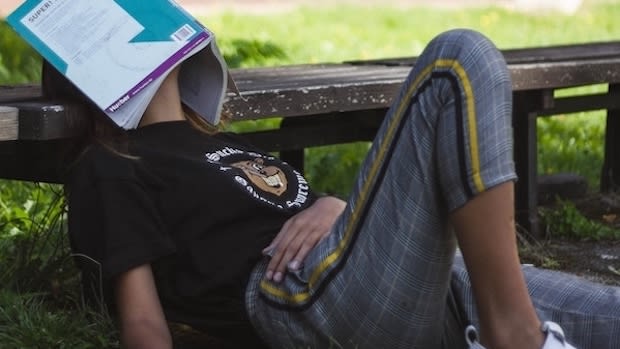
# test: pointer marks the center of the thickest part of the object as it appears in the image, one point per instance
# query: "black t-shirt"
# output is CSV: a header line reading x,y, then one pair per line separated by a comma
x,y
199,208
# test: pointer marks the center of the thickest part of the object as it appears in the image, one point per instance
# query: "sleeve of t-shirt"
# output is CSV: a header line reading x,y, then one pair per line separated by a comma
x,y
114,220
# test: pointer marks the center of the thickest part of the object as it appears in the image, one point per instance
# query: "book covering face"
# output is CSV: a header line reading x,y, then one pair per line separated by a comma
x,y
118,52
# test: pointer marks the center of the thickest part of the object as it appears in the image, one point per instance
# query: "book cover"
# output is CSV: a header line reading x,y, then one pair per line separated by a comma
x,y
117,52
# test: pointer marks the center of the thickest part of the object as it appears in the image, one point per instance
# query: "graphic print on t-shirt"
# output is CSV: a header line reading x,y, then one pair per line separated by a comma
x,y
264,177
268,178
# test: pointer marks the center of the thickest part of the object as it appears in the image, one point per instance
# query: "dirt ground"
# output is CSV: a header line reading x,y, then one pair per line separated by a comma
x,y
595,260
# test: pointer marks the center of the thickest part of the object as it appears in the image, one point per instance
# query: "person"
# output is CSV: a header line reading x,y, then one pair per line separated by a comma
x,y
174,222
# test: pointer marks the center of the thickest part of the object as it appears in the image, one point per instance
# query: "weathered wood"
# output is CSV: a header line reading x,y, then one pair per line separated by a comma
x,y
9,123
36,161
555,53
576,104
610,173
326,88
525,110
11,93
564,74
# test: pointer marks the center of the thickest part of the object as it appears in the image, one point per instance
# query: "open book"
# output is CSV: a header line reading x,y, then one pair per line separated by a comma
x,y
118,52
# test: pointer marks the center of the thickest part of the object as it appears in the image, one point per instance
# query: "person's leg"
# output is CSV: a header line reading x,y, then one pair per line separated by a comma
x,y
485,229
588,312
381,278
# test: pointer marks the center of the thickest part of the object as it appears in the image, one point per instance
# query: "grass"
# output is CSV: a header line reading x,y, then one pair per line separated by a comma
x,y
341,33
567,221
30,321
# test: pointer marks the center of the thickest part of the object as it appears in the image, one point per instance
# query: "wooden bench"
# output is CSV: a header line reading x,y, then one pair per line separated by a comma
x,y
338,103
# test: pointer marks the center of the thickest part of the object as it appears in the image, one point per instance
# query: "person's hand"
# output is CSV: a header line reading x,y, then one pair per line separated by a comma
x,y
300,234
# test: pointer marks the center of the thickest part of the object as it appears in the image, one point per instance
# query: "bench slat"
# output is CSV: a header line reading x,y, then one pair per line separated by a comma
x,y
309,90
556,53
9,123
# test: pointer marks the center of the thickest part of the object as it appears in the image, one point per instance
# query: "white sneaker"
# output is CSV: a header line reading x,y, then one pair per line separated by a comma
x,y
554,339
471,336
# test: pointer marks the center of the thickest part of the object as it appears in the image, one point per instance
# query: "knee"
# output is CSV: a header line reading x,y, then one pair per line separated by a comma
x,y
463,39
474,52
465,45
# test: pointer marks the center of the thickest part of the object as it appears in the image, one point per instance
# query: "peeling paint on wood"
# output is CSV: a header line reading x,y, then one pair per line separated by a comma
x,y
9,126
309,90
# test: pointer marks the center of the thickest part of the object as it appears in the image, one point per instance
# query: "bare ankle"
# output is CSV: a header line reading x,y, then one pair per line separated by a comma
x,y
530,337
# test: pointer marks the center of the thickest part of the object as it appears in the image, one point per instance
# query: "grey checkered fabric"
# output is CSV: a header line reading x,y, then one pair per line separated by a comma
x,y
382,278
589,313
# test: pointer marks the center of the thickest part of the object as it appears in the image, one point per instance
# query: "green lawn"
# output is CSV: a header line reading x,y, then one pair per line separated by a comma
x,y
346,32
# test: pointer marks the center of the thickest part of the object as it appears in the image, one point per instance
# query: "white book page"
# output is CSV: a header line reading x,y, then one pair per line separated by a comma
x,y
129,115
93,38
81,33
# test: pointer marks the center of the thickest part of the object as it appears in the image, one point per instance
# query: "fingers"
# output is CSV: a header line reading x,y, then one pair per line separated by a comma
x,y
278,249
291,247
299,235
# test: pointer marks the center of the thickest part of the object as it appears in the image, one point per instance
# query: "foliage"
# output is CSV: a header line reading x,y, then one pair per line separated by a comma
x,y
19,63
33,247
27,321
243,53
566,220
333,169
40,296
573,142
349,32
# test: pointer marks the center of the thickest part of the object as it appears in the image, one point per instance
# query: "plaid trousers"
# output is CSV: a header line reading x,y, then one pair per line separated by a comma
x,y
385,275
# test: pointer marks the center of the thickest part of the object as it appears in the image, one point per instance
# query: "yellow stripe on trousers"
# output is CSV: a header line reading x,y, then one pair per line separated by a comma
x,y
272,289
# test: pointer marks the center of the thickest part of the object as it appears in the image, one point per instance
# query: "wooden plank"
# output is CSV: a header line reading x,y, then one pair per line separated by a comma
x,y
17,93
576,104
610,173
36,161
9,125
564,74
323,89
554,53
327,88
13,93
527,76
525,107
557,53
46,121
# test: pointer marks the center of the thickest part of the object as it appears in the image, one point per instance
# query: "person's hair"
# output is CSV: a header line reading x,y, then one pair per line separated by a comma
x,y
88,124
201,124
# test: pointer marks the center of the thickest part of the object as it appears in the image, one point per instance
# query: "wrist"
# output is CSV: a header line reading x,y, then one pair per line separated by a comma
x,y
333,195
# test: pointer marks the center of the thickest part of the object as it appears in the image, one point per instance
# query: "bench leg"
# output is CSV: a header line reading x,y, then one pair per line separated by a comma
x,y
525,107
610,174
294,157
